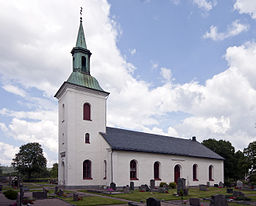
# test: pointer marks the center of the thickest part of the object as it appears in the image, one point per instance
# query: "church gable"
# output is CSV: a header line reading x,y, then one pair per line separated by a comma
x,y
126,140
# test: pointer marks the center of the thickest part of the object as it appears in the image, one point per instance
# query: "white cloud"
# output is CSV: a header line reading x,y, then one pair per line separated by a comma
x,y
233,30
166,73
133,51
7,152
204,4
176,2
15,90
246,7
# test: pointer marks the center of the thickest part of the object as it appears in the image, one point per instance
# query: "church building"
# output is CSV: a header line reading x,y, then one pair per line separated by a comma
x,y
92,154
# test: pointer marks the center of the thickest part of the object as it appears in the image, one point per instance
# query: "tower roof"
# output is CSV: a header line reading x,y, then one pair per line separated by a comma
x,y
80,42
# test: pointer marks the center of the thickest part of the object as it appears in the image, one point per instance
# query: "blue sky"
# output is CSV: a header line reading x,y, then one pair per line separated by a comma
x,y
175,67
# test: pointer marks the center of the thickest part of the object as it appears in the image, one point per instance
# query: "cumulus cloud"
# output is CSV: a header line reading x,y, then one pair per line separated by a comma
x,y
246,7
234,29
166,73
204,4
7,153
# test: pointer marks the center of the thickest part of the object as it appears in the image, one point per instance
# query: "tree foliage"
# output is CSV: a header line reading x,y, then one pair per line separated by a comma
x,y
30,160
54,170
250,153
1,170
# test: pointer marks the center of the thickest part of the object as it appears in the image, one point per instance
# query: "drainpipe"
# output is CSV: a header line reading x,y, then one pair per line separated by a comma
x,y
111,166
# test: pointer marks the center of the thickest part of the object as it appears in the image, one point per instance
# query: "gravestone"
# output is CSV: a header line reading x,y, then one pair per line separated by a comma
x,y
162,189
152,184
144,188
75,197
113,186
126,189
239,184
229,190
194,201
202,187
39,195
1,188
132,186
238,194
216,185
218,200
153,202
221,185
181,186
60,193
208,184
56,190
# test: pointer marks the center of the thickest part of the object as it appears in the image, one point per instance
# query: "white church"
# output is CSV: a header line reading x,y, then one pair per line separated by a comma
x,y
92,154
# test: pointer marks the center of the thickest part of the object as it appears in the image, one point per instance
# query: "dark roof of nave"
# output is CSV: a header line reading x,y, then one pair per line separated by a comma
x,y
127,140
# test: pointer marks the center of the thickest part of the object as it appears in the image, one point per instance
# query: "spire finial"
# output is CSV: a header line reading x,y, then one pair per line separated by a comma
x,y
81,13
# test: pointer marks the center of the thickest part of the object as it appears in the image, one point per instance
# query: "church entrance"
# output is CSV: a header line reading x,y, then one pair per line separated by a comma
x,y
63,173
176,173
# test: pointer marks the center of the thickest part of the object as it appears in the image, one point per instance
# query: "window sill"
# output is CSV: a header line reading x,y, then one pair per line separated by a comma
x,y
134,179
211,180
87,119
157,179
89,178
195,179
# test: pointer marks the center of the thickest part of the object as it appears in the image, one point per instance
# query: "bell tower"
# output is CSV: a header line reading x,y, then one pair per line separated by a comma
x,y
82,116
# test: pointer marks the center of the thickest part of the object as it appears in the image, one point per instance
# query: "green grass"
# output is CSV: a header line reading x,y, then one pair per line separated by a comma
x,y
93,200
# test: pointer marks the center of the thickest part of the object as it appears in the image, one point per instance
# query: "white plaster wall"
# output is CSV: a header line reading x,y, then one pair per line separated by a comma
x,y
74,129
145,169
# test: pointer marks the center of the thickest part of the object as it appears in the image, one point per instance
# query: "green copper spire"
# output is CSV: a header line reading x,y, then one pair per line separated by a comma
x,y
81,63
80,42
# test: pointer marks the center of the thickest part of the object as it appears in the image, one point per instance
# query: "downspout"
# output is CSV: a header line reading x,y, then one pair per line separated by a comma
x,y
111,166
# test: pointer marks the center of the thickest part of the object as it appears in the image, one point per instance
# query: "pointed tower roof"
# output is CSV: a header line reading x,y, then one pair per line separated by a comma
x,y
80,42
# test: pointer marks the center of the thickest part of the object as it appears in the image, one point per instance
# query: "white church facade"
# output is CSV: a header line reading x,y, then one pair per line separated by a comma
x,y
92,154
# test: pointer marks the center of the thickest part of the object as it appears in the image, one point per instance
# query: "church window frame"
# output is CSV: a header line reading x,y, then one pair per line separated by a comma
x,y
87,170
87,138
63,113
177,172
83,63
157,170
105,170
195,171
87,111
211,173
133,170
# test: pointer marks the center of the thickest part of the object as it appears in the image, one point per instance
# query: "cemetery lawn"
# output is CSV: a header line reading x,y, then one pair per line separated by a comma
x,y
92,200
193,192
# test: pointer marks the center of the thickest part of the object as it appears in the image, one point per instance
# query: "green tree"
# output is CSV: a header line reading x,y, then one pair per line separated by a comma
x,y
30,159
242,165
227,151
250,153
1,170
54,170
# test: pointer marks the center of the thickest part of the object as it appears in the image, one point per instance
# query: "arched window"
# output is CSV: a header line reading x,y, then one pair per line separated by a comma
x,y
176,173
195,172
105,169
133,170
87,138
63,113
87,111
83,60
87,166
156,171
210,173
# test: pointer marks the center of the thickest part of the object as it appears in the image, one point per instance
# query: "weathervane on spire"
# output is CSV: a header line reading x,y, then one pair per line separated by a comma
x,y
81,13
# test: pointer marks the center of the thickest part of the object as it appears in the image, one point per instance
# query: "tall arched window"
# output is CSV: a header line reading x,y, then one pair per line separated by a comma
x,y
87,138
195,172
133,170
83,64
105,169
156,171
87,111
176,173
87,167
63,113
210,173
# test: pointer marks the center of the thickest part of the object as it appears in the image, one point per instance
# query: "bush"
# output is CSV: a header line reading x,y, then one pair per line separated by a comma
x,y
172,185
162,184
11,194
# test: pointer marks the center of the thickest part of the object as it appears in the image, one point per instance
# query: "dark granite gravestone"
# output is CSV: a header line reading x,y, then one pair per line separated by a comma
x,y
133,204
75,197
39,195
153,202
132,186
56,190
181,186
60,192
113,186
202,187
208,184
152,184
216,185
194,201
144,188
218,200
229,190
1,188
162,189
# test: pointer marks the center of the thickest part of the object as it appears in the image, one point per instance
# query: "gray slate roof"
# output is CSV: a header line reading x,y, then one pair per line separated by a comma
x,y
126,140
